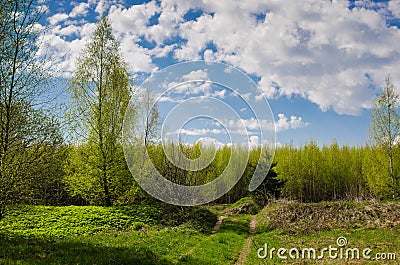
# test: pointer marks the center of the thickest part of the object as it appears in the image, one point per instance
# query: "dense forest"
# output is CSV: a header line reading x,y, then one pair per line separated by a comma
x,y
40,164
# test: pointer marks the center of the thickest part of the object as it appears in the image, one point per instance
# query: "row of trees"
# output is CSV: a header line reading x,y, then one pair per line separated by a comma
x,y
309,173
332,172
85,185
241,165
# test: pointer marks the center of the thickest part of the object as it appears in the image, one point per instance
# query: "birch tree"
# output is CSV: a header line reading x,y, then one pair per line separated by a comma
x,y
100,92
385,128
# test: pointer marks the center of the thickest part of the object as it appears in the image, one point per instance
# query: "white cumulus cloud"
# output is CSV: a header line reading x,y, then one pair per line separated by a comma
x,y
285,123
323,51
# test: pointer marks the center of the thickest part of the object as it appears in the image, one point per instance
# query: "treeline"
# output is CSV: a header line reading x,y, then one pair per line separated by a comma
x,y
334,172
309,173
84,184
238,163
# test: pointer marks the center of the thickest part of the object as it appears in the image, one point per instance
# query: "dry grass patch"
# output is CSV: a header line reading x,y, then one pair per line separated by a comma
x,y
295,217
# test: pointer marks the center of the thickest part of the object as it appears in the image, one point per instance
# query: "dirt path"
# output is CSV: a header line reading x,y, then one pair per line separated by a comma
x,y
215,230
246,249
218,224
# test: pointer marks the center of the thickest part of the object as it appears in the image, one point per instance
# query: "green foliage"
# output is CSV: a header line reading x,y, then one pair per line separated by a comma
x,y
179,152
202,219
240,166
31,159
377,173
315,174
59,222
269,189
242,201
241,189
82,177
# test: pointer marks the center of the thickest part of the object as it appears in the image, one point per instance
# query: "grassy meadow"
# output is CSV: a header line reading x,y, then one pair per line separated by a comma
x,y
171,235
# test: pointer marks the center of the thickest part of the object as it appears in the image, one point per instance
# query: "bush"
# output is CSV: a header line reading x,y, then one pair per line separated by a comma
x,y
246,205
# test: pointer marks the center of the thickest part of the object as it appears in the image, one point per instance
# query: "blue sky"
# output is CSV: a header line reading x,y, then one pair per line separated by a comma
x,y
319,63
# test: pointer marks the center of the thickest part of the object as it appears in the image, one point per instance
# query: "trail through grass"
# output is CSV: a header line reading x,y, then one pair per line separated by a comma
x,y
155,235
246,250
97,235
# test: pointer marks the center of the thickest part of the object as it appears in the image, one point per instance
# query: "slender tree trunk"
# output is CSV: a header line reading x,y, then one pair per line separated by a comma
x,y
107,196
2,210
391,171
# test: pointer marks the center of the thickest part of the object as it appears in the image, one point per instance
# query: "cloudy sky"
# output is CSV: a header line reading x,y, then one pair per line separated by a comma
x,y
319,63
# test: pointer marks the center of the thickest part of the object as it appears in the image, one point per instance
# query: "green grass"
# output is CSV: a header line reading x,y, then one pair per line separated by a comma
x,y
165,246
224,246
379,240
116,235
133,247
172,235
